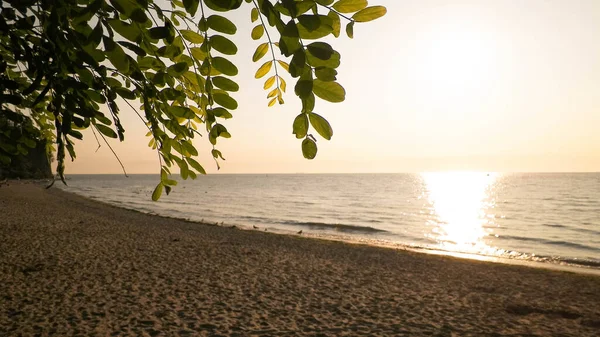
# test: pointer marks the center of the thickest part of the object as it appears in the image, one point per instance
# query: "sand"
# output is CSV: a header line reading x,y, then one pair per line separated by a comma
x,y
73,266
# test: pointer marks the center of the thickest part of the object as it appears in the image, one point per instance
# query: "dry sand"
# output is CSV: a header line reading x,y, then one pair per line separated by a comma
x,y
72,266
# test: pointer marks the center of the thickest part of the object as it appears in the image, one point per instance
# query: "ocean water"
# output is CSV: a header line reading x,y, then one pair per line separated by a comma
x,y
544,217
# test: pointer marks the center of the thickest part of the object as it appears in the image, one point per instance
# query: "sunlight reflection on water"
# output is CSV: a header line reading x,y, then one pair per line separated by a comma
x,y
462,206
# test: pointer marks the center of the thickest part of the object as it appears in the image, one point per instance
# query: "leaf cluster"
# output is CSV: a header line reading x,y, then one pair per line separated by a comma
x,y
70,65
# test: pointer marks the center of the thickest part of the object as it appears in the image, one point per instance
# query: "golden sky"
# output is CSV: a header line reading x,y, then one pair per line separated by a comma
x,y
432,86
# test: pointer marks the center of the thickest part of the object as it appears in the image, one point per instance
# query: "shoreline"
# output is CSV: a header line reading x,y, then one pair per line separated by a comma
x,y
544,262
71,263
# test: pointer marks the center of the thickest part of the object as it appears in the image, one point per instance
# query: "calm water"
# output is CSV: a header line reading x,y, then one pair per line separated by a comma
x,y
542,217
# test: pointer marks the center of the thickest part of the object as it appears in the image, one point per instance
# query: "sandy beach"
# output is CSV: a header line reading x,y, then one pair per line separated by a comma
x,y
72,266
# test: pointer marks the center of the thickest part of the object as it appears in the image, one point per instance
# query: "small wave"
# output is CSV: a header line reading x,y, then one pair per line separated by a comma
x,y
550,242
588,231
583,262
337,227
593,263
253,218
517,256
573,245
521,238
554,225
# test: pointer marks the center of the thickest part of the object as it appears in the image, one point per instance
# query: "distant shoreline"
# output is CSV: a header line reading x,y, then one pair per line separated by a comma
x,y
69,263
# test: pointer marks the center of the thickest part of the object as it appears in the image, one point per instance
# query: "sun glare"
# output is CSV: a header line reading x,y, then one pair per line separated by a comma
x,y
458,57
459,202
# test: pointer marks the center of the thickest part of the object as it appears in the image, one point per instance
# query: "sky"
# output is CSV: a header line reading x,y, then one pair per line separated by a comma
x,y
503,86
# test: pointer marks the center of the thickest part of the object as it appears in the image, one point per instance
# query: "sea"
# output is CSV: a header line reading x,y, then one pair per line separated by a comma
x,y
549,218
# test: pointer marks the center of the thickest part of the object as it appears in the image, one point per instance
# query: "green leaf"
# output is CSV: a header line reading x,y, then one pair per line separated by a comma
x,y
320,50
321,125
350,6
116,55
302,7
127,94
329,91
203,25
218,130
189,148
196,81
254,14
261,51
225,83
298,63
303,88
177,69
195,165
257,32
146,63
133,47
369,14
290,39
310,22
225,101
284,65
206,68
336,23
308,104
223,45
224,66
198,54
159,32
221,113
157,192
221,24
191,6
325,74
124,6
332,62
223,5
217,154
264,69
171,94
138,15
168,183
102,119
192,36
181,111
312,27
96,96
350,29
309,148
269,82
169,51
105,130
95,36
73,133
300,126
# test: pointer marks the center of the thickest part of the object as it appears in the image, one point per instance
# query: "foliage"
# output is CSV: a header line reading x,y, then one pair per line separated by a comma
x,y
69,65
23,150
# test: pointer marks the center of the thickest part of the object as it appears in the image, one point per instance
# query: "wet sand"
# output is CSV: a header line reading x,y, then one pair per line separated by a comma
x,y
73,266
